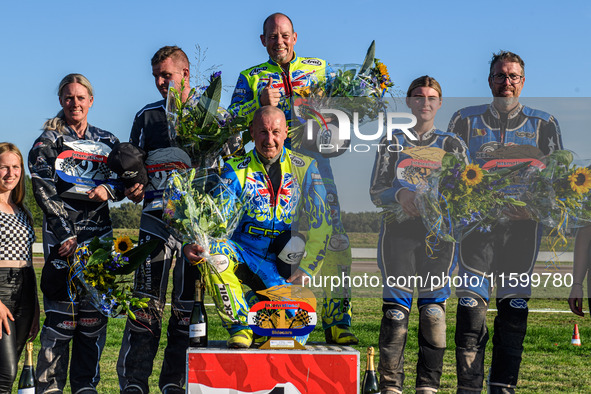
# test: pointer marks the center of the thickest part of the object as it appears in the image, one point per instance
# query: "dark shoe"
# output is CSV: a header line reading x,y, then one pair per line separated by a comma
x,y
172,389
132,390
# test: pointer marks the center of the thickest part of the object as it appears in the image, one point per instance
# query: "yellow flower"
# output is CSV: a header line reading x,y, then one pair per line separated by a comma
x,y
580,180
472,175
304,92
385,77
123,244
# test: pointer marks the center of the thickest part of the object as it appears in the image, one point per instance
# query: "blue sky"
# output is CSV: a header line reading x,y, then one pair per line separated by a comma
x,y
112,42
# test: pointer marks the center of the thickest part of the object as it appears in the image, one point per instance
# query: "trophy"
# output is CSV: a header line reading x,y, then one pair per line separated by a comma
x,y
290,313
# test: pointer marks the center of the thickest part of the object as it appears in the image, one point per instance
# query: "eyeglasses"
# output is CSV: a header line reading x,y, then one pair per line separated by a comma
x,y
513,78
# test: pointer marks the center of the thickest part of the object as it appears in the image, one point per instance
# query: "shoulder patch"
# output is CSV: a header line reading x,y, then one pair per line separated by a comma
x,y
536,113
297,161
256,70
311,62
244,164
473,111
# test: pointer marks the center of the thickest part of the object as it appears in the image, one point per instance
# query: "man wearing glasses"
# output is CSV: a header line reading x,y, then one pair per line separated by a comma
x,y
512,245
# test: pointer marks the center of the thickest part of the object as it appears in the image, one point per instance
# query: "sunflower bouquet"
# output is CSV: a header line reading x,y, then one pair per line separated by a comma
x,y
559,195
200,208
461,198
102,270
352,88
200,126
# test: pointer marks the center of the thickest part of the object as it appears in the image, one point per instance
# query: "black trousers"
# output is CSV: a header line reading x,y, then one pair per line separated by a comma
x,y
18,293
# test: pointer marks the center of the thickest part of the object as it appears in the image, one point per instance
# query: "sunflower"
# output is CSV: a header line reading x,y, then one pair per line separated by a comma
x,y
472,175
385,77
304,92
580,180
123,244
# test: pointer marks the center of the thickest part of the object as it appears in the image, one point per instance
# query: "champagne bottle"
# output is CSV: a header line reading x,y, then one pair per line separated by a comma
x,y
27,383
370,380
198,323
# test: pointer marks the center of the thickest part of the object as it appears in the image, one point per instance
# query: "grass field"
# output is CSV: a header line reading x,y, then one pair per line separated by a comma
x,y
550,363
358,240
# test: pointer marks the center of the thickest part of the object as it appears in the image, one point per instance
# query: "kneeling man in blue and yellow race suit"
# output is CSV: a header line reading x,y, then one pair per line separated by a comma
x,y
277,82
280,185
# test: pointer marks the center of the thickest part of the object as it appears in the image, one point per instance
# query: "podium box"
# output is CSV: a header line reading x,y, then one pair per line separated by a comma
x,y
325,369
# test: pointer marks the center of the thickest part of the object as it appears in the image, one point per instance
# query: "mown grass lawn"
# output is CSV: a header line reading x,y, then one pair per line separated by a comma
x,y
550,362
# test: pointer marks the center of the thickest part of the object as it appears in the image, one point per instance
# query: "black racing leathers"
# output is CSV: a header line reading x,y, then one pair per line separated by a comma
x,y
63,168
18,293
141,337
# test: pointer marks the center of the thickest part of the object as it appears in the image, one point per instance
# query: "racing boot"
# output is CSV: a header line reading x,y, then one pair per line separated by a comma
x,y
340,334
240,340
172,389
259,340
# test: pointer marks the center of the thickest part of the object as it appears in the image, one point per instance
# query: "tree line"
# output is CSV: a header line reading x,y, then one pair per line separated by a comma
x,y
127,215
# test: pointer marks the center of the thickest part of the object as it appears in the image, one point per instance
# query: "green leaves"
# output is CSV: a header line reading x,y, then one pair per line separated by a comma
x,y
98,256
201,126
106,276
563,157
369,56
448,161
210,101
136,256
200,206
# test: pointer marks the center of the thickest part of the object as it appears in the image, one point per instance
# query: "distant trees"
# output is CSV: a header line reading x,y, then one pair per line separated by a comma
x,y
31,204
361,222
126,215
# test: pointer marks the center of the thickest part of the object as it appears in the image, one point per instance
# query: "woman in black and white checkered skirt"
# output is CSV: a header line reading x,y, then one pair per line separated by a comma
x,y
19,306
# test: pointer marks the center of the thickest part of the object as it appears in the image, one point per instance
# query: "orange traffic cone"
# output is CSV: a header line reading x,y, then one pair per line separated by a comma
x,y
576,341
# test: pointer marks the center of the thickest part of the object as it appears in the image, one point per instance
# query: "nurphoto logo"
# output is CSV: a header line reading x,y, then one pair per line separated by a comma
x,y
336,136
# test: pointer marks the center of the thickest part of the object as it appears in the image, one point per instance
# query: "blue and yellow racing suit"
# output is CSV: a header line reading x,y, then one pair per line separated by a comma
x,y
246,256
510,248
303,72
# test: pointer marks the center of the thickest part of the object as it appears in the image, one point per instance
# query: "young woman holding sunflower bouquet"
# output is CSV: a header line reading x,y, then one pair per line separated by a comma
x,y
402,250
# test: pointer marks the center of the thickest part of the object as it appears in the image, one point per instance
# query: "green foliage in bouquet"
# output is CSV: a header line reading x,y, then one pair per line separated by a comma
x,y
104,270
463,197
350,88
202,128
200,207
369,80
570,183
559,197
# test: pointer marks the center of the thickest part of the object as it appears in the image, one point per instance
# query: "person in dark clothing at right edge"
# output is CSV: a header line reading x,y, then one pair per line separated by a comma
x,y
141,337
512,246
